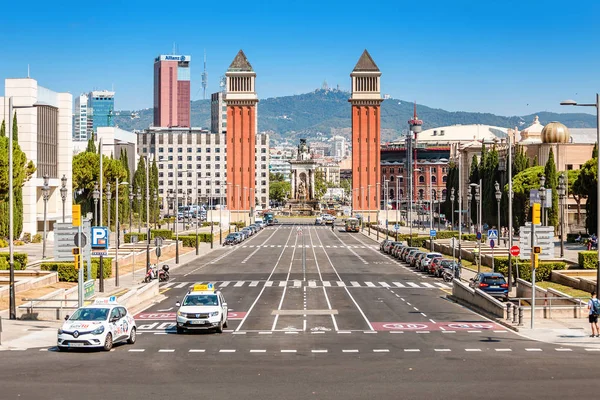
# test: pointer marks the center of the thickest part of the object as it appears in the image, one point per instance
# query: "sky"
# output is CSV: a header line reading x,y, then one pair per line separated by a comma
x,y
506,57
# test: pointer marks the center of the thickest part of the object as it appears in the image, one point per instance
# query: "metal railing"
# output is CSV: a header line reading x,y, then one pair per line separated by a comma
x,y
62,305
547,305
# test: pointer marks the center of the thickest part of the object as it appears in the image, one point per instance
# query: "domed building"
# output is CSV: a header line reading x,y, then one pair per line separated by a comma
x,y
533,133
555,132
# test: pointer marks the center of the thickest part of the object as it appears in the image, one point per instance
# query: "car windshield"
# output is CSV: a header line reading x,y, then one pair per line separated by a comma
x,y
494,280
201,300
90,314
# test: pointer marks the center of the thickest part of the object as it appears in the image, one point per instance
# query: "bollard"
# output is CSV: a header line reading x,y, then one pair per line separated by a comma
x,y
515,314
508,307
521,316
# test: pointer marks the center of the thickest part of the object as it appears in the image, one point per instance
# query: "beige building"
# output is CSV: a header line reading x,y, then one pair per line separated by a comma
x,y
331,172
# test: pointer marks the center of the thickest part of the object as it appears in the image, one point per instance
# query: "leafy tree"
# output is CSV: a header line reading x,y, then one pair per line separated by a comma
x,y
552,183
346,184
572,190
520,161
154,210
3,129
595,151
489,176
276,177
320,184
523,182
585,185
15,128
535,161
451,183
279,190
139,186
473,178
91,146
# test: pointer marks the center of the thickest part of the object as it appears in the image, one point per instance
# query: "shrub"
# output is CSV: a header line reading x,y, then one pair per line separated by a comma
x,y
3,243
205,223
190,240
27,237
20,260
37,238
164,233
239,224
68,273
588,259
19,243
543,271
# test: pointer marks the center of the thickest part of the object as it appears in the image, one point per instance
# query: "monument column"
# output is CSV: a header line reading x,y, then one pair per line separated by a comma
x,y
312,184
366,136
293,185
241,100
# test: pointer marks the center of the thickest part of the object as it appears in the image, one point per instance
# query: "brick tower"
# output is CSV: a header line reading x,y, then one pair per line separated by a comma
x,y
241,100
366,131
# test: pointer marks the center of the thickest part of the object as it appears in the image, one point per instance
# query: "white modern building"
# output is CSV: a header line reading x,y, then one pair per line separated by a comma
x,y
279,162
462,134
45,123
81,123
339,147
198,159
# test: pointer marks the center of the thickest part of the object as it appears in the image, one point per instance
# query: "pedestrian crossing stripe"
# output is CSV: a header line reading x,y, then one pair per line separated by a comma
x,y
312,284
299,246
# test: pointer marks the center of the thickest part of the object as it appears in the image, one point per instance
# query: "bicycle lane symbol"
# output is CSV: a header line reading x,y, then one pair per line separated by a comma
x,y
399,326
478,325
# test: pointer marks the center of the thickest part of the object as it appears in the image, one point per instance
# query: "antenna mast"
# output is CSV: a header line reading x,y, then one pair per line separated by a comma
x,y
204,77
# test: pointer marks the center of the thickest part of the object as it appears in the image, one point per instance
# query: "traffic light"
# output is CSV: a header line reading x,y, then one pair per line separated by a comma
x,y
75,251
76,255
536,213
535,260
537,249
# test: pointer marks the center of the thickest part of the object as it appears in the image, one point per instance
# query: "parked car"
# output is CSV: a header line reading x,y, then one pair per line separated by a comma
x,y
382,244
433,265
492,283
396,249
445,264
427,259
319,221
232,238
414,261
406,252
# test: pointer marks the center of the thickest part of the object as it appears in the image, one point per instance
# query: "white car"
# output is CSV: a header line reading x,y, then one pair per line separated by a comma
x,y
202,308
427,259
99,325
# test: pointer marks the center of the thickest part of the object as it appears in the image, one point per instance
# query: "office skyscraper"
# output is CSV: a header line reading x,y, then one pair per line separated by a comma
x,y
172,91
93,110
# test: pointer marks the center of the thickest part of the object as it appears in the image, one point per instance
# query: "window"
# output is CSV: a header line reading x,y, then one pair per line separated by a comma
x,y
207,183
391,170
421,180
160,166
217,158
218,150
170,175
198,158
170,149
170,166
189,183
207,158
207,166
433,170
179,166
208,149
189,166
199,149
144,150
433,179
384,171
217,166
445,178
198,166
189,149
161,150
569,167
391,177
170,158
189,158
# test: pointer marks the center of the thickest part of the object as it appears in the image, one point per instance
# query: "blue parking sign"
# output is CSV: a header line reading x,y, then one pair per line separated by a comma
x,y
99,237
432,233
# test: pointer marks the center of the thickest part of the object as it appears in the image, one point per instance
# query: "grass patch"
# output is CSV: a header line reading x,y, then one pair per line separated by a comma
x,y
565,289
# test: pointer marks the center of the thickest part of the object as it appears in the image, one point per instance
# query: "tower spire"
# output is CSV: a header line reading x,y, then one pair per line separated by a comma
x,y
204,77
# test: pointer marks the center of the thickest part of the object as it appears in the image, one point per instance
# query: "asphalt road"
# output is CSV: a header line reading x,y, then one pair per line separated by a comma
x,y
314,314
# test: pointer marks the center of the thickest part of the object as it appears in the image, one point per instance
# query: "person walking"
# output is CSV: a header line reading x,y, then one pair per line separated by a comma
x,y
594,311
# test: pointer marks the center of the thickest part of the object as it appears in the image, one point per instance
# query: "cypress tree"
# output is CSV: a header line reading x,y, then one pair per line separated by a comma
x,y
552,183
595,151
154,211
3,129
91,146
535,161
15,129
139,185
473,178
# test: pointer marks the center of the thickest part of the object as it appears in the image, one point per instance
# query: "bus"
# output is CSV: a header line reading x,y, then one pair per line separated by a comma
x,y
352,225
268,218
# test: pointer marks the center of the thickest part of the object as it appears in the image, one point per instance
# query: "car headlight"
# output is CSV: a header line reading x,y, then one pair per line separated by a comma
x,y
60,331
98,331
180,314
214,314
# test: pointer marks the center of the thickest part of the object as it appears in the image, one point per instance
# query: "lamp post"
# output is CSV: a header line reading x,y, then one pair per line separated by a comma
x,y
597,105
63,194
45,194
469,201
130,210
118,242
138,196
96,195
562,189
478,203
197,217
542,192
498,199
108,198
452,206
155,211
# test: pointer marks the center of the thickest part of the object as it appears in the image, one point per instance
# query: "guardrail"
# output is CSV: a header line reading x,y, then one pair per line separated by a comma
x,y
61,306
547,306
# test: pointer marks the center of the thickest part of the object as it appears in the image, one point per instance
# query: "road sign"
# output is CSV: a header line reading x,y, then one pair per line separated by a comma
x,y
158,252
99,237
515,251
492,243
544,238
535,213
76,215
432,233
492,233
80,239
64,241
478,236
396,227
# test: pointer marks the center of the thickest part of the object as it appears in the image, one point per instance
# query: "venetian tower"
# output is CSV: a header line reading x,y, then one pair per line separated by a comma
x,y
366,137
241,101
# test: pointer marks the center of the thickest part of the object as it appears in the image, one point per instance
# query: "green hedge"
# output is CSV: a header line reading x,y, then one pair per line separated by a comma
x,y
190,240
588,259
164,233
68,273
19,258
239,224
543,271
205,223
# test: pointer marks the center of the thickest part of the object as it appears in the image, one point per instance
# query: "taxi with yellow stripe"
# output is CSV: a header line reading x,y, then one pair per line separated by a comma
x,y
202,308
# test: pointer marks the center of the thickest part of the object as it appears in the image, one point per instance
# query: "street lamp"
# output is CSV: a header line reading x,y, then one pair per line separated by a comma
x,y
108,198
542,192
562,189
138,196
96,195
597,105
478,204
63,194
452,206
118,242
45,194
155,208
130,209
498,198
169,206
469,201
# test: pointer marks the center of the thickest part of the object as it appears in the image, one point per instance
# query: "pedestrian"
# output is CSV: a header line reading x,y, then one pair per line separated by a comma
x,y
594,310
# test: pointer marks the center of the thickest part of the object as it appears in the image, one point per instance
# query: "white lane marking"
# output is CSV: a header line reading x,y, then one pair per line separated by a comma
x,y
253,283
287,351
370,284
181,285
326,284
227,351
341,284
412,284
312,284
534,349
503,349
265,333
258,351
381,350
427,285
350,351
563,349
318,351
398,284
384,284
160,333
269,283
344,332
407,303
268,280
239,284
592,349
396,331
166,350
442,350
432,321
472,349
355,284
317,332
197,350
423,332
291,333
297,284
423,314
444,331
168,284
239,333
224,284
43,349
415,308
137,350
284,284
500,331
412,350
473,331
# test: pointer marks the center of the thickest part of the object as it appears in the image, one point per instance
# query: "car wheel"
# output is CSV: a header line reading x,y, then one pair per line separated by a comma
x,y
219,328
225,325
180,330
60,348
132,336
108,343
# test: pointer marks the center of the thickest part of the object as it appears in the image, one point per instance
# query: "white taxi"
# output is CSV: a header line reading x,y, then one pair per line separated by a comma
x,y
98,325
203,307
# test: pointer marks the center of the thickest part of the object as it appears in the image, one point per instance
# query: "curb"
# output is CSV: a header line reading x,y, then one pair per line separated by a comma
x,y
482,313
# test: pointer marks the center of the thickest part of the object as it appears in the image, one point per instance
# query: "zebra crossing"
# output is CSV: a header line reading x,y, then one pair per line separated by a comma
x,y
313,284
299,246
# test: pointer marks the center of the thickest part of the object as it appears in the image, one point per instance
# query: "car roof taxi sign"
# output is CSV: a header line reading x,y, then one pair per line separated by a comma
x,y
203,288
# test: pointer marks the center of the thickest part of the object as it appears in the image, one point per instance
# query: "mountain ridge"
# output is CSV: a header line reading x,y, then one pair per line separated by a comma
x,y
327,112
